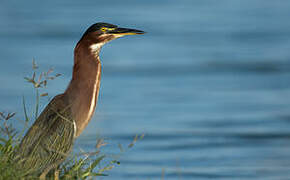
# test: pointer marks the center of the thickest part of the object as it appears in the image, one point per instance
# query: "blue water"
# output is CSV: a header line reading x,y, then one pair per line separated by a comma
x,y
208,85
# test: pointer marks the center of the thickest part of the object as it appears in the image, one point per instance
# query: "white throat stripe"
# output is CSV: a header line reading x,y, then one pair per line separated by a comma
x,y
96,47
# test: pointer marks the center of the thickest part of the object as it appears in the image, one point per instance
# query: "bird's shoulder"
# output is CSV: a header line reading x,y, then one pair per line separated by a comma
x,y
59,101
58,109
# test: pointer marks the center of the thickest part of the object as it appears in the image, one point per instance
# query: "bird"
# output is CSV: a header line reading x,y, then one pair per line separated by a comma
x,y
50,139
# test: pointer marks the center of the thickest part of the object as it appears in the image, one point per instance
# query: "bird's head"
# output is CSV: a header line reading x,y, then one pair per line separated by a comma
x,y
101,33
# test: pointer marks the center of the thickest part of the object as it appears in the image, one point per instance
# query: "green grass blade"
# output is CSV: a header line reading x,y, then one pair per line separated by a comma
x,y
36,104
25,111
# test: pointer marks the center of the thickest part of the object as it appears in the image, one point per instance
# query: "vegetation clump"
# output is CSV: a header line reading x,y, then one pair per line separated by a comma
x,y
81,165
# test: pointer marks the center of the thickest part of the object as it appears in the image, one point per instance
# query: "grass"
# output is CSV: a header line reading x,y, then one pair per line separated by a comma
x,y
80,165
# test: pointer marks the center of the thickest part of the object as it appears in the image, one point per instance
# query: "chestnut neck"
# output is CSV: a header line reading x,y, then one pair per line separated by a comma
x,y
83,90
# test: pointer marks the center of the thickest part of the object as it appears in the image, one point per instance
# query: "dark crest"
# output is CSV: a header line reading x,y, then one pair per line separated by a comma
x,y
98,26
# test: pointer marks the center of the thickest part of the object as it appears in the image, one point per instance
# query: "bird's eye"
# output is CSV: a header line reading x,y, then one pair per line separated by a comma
x,y
103,29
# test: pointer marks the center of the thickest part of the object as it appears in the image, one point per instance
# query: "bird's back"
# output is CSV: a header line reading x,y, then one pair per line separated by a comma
x,y
49,140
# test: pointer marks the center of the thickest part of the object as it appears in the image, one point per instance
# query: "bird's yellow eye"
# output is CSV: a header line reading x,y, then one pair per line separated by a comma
x,y
103,29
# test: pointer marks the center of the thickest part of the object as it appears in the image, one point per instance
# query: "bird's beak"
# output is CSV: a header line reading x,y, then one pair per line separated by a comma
x,y
125,31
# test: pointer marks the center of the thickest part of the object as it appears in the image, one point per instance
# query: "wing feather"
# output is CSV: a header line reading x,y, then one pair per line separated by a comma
x,y
49,140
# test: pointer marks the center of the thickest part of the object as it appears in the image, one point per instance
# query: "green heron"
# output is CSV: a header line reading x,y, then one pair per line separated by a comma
x,y
50,139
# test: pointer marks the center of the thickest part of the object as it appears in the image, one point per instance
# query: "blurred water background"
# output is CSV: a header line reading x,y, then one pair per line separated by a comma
x,y
209,84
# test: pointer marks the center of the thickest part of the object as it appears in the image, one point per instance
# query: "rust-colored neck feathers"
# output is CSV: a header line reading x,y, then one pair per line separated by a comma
x,y
83,89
